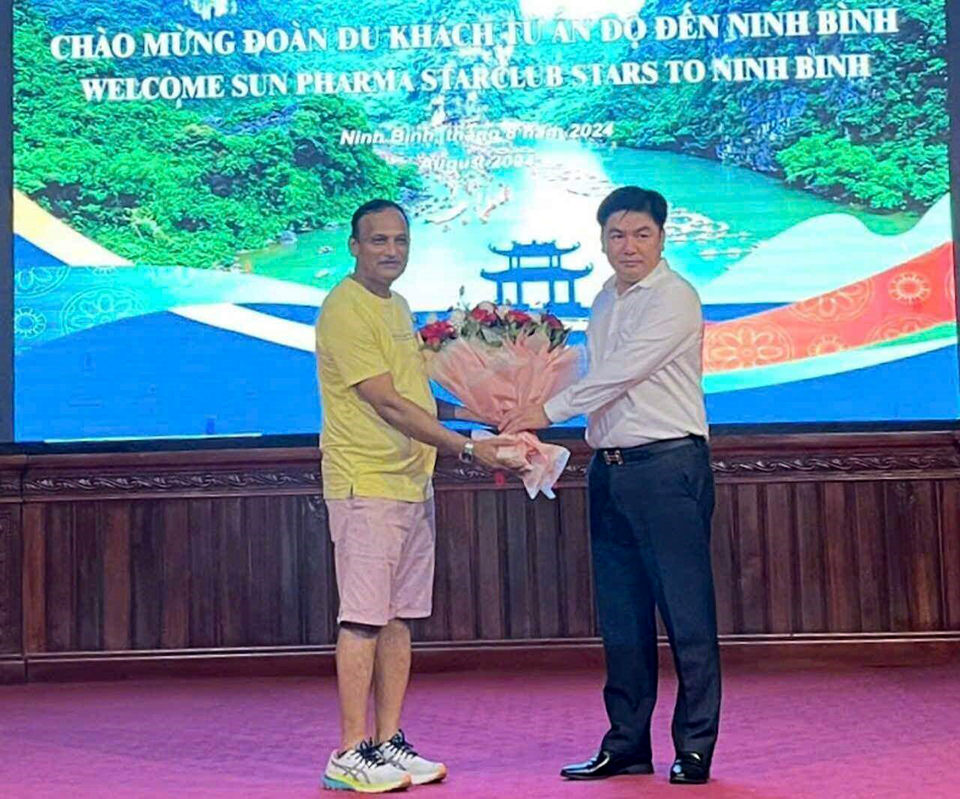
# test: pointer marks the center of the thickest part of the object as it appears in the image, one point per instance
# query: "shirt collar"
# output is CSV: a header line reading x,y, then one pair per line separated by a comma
x,y
658,272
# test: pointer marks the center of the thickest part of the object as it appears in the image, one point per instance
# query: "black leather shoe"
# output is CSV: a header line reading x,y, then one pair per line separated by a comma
x,y
605,764
689,769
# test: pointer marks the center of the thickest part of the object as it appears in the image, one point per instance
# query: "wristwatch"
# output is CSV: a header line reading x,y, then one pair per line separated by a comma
x,y
466,454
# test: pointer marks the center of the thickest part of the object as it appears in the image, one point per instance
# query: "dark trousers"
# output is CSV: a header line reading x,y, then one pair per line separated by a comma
x,y
650,541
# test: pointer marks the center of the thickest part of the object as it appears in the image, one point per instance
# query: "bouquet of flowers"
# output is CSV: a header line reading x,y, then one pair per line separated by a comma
x,y
494,358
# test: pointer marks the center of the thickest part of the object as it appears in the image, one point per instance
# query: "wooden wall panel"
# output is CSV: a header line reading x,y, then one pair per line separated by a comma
x,y
11,585
233,568
33,576
949,514
434,627
316,575
146,574
149,555
116,519
175,579
575,581
456,524
808,526
780,555
262,573
202,584
286,533
725,552
491,606
517,588
749,581
59,577
896,497
840,566
923,579
88,539
544,521
872,583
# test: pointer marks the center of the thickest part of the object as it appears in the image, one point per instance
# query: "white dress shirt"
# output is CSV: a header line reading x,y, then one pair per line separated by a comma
x,y
646,365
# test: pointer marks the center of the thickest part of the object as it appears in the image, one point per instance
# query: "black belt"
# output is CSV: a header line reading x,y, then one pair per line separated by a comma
x,y
617,456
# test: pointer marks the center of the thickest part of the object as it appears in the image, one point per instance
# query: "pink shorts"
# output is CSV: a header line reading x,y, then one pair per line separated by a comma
x,y
384,551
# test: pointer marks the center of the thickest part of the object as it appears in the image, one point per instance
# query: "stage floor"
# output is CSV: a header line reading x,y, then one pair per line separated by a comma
x,y
875,733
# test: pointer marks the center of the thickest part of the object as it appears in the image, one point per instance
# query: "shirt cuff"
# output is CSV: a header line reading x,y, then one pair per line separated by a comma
x,y
558,408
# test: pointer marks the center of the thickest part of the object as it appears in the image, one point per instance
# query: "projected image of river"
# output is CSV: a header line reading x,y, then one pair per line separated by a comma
x,y
550,190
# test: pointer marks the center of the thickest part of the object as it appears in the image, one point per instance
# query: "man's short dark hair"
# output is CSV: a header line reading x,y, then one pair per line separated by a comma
x,y
373,207
633,198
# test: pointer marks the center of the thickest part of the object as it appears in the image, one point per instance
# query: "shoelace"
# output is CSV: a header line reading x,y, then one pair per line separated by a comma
x,y
402,747
369,754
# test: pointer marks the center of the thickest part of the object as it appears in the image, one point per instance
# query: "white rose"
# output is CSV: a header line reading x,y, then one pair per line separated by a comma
x,y
535,316
457,317
502,310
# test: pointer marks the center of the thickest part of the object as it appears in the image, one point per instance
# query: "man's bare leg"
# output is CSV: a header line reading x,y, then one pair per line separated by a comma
x,y
390,677
356,655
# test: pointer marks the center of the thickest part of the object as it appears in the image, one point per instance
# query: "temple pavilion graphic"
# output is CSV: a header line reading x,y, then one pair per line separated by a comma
x,y
547,268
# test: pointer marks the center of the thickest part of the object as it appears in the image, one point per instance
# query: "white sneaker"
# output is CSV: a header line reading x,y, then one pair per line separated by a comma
x,y
398,752
363,769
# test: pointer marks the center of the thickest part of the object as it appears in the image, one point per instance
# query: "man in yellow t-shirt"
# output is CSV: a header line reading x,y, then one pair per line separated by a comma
x,y
380,438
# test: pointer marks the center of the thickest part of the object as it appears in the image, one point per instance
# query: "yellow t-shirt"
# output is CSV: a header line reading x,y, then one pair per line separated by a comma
x,y
359,336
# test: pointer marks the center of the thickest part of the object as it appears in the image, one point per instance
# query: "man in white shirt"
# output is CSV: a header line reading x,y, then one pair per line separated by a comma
x,y
651,493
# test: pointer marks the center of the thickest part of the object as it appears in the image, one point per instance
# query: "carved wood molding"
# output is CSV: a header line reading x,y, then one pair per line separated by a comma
x,y
296,471
134,481
744,467
452,472
9,484
788,465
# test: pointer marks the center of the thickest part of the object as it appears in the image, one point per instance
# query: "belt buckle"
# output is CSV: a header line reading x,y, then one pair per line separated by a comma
x,y
612,457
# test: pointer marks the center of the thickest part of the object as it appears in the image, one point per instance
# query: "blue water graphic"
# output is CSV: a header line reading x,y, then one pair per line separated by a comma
x,y
162,375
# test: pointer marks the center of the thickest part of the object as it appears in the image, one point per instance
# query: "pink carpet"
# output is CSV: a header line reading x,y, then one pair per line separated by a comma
x,y
870,733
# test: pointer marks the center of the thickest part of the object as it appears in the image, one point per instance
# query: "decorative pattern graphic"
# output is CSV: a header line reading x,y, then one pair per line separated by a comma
x,y
38,281
864,313
745,345
825,344
898,327
98,307
846,303
28,323
909,288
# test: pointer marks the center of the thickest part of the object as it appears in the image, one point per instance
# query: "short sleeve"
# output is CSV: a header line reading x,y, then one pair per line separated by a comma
x,y
348,339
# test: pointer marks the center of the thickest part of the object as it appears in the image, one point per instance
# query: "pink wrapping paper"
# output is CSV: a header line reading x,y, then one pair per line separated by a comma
x,y
490,381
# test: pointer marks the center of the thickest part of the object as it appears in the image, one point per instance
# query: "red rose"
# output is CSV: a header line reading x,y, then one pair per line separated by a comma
x,y
483,316
552,322
518,317
437,332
